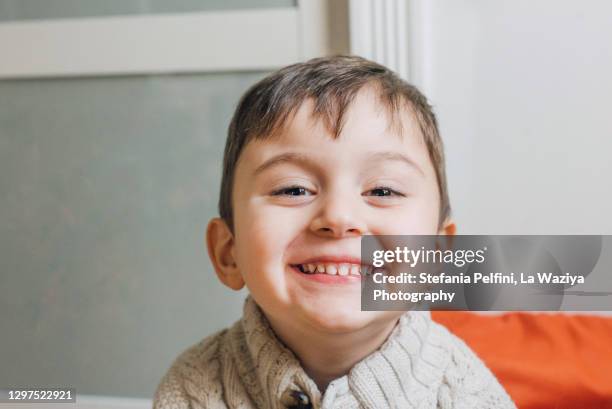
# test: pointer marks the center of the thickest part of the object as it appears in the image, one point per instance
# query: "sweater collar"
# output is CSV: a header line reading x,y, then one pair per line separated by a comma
x,y
405,364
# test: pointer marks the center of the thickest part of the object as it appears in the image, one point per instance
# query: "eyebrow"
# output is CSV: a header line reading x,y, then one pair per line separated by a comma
x,y
288,157
396,156
307,161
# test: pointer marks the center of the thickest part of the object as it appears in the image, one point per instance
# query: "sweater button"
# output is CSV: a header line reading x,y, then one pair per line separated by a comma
x,y
296,400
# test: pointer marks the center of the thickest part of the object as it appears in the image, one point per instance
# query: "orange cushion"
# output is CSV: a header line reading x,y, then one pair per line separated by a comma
x,y
542,360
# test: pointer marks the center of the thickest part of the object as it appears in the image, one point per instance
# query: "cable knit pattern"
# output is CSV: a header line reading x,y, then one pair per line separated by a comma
x,y
420,365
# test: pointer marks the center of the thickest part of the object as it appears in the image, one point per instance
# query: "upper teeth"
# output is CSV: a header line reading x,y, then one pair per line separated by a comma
x,y
342,269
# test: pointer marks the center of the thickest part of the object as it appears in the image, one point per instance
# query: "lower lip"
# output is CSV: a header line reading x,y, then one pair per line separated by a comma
x,y
327,278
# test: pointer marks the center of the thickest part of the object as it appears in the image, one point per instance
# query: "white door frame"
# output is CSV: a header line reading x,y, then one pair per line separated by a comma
x,y
394,33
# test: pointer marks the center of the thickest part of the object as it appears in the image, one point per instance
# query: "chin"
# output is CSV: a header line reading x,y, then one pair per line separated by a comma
x,y
338,320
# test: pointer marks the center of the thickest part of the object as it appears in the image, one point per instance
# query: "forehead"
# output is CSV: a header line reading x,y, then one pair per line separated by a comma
x,y
368,137
367,123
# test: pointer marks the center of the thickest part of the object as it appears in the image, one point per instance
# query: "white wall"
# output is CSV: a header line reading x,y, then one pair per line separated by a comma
x,y
522,91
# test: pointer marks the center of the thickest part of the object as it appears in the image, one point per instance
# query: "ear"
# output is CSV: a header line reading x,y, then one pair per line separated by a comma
x,y
220,243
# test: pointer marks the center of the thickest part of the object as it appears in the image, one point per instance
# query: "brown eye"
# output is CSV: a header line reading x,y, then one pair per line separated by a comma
x,y
291,191
385,191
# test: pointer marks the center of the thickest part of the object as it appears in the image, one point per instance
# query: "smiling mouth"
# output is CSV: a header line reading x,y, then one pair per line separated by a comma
x,y
334,269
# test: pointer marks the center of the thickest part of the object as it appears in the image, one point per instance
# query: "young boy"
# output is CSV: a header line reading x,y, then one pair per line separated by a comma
x,y
319,154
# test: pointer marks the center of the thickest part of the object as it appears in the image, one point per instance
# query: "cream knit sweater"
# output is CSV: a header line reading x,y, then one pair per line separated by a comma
x,y
420,365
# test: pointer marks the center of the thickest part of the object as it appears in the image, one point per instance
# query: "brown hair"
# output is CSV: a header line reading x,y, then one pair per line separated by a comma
x,y
332,82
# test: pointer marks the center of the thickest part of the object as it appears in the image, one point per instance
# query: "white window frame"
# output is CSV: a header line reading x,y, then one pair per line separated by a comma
x,y
232,40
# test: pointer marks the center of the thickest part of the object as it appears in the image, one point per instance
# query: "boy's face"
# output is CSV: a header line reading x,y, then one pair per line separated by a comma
x,y
304,198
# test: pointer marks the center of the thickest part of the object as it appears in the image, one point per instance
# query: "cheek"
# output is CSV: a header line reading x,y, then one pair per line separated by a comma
x,y
264,233
418,217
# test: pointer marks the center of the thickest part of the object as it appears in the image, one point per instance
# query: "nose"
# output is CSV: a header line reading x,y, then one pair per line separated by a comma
x,y
339,216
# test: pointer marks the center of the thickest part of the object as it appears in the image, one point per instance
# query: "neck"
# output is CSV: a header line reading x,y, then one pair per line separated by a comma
x,y
327,356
